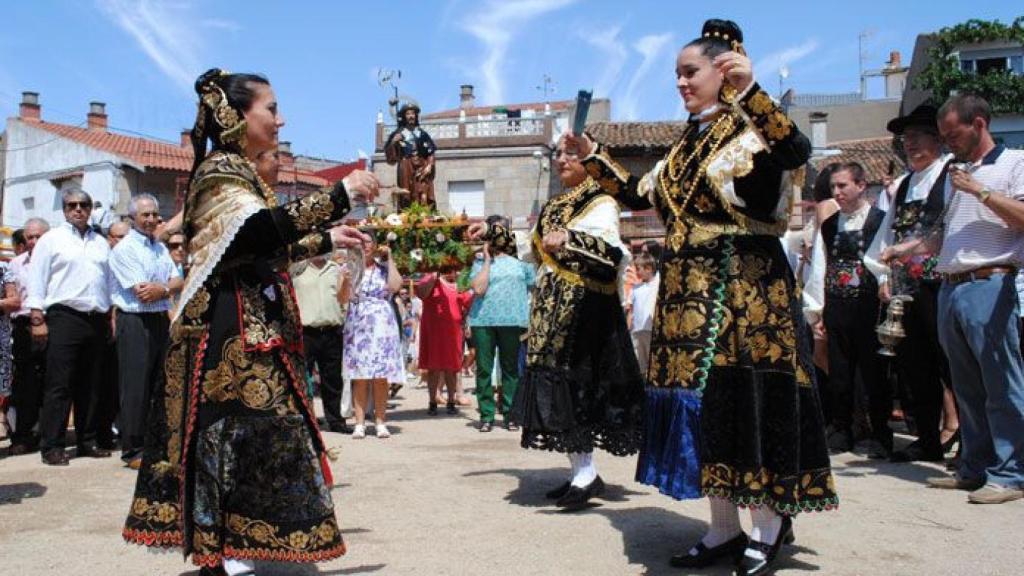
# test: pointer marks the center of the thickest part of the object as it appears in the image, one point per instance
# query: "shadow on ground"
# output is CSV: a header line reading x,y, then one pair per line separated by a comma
x,y
288,569
15,493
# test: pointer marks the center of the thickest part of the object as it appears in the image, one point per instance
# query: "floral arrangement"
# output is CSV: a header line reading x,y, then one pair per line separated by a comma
x,y
422,239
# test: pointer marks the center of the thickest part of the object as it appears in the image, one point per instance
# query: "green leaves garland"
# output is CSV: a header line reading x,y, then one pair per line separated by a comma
x,y
425,241
1003,90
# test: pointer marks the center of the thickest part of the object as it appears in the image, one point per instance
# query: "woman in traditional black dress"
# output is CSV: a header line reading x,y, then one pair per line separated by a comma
x,y
732,412
582,387
234,467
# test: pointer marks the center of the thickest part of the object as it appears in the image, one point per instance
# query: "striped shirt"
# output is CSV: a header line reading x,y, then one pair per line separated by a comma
x,y
137,259
975,237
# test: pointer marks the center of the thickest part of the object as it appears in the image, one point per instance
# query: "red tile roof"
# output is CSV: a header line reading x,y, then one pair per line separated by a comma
x,y
485,110
335,173
152,153
146,152
652,136
874,154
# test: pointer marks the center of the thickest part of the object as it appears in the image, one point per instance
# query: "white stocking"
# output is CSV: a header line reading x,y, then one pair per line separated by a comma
x,y
767,525
725,523
235,566
584,472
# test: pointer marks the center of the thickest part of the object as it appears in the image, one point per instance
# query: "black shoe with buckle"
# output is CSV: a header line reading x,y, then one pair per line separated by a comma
x,y
750,566
451,408
432,408
705,556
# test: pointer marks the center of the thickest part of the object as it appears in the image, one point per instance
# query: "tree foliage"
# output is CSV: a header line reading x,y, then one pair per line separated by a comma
x,y
943,76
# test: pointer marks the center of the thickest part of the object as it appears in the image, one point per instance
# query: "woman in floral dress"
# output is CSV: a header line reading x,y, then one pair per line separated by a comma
x,y
371,338
9,302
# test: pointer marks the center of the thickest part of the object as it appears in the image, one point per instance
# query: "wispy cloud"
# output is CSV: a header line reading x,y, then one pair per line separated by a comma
x,y
769,65
219,24
165,32
613,53
495,24
651,48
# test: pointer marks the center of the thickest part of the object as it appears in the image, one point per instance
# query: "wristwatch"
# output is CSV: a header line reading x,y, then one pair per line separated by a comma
x,y
984,195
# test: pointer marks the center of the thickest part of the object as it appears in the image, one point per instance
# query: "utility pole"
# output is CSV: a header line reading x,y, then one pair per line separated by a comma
x,y
862,56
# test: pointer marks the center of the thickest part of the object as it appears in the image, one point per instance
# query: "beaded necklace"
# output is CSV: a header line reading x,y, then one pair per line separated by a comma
x,y
671,177
264,189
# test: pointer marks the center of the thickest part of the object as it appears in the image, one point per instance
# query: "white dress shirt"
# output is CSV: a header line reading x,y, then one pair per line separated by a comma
x,y
814,292
20,268
69,268
136,259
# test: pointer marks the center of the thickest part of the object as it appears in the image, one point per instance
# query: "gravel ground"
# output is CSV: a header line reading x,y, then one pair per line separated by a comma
x,y
441,498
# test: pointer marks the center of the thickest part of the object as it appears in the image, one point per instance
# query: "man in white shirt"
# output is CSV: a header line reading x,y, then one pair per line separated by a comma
x,y
841,299
29,358
981,251
69,301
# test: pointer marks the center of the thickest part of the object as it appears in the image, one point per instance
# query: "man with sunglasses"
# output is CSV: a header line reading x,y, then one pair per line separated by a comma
x,y
69,301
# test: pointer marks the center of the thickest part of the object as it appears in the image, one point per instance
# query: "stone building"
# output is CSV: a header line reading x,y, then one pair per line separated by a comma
x,y
490,159
42,158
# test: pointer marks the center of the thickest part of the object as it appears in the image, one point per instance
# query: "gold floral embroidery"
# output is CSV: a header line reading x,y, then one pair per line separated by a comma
x,y
682,365
175,382
777,294
321,536
247,377
154,512
699,276
760,103
198,304
703,204
310,211
778,126
673,280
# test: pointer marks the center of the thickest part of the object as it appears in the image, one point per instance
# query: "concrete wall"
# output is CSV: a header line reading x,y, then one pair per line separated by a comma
x,y
850,122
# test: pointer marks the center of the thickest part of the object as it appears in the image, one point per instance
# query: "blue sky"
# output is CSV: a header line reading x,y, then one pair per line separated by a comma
x,y
141,57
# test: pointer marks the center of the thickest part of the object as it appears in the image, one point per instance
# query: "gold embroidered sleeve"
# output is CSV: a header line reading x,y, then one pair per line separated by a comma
x,y
315,210
310,245
788,147
615,179
590,256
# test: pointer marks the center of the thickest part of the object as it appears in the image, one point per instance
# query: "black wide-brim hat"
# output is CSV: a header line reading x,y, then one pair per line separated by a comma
x,y
924,116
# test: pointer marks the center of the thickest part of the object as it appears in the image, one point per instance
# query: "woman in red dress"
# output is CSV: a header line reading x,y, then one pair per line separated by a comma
x,y
441,344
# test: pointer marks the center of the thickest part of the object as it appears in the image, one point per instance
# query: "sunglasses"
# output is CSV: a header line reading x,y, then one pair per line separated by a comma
x,y
74,205
175,245
117,236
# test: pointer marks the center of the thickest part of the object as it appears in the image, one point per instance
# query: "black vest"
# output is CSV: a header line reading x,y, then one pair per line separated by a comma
x,y
845,274
913,219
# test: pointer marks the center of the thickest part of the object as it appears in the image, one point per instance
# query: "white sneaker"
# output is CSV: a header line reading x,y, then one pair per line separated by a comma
x,y
359,432
382,431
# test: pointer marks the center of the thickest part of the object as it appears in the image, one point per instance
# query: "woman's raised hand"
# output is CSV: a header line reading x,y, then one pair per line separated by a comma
x,y
736,68
362,184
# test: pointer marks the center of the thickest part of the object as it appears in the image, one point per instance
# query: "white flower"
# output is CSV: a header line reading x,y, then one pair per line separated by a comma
x,y
393,219
392,236
416,254
440,237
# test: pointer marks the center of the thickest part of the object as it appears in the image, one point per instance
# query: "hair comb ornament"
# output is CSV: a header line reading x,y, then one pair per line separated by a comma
x,y
232,125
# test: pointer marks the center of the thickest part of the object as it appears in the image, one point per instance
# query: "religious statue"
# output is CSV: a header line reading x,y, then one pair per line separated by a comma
x,y
412,149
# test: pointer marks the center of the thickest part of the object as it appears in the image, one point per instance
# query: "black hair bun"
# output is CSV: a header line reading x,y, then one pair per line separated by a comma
x,y
207,77
725,29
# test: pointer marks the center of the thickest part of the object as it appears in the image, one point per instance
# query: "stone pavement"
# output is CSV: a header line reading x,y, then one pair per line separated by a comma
x,y
441,498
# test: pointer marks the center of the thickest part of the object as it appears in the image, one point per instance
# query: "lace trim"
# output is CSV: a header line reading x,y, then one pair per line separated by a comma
x,y
267,555
615,441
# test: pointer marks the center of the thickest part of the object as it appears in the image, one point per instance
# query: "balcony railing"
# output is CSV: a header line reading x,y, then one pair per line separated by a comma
x,y
481,133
